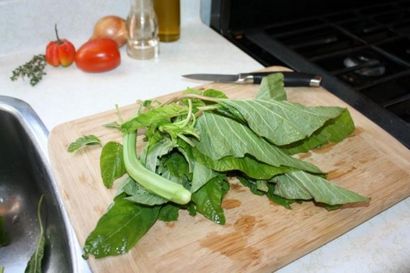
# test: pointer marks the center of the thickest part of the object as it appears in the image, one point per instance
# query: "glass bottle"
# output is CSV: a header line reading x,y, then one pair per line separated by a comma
x,y
142,30
168,14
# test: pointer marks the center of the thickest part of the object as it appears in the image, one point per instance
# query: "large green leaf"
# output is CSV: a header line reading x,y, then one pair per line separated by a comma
x,y
35,263
304,186
154,116
334,130
282,122
112,163
120,228
272,87
138,194
221,137
208,199
247,165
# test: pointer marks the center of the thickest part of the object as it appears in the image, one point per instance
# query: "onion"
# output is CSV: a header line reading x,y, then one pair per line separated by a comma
x,y
112,27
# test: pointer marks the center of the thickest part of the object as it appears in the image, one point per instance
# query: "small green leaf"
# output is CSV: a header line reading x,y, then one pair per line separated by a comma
x,y
120,228
208,199
111,163
213,93
251,184
154,116
168,213
4,238
201,175
151,159
272,87
82,142
35,263
304,186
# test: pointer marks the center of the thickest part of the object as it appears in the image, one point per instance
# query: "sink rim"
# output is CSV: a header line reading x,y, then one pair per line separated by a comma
x,y
38,133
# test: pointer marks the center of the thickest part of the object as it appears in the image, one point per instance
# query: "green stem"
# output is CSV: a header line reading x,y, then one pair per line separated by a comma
x,y
150,180
1,269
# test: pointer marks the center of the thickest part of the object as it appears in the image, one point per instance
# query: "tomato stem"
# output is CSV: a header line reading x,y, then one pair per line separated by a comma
x,y
58,38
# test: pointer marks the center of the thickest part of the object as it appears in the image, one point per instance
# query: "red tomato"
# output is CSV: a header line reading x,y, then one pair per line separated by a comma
x,y
98,55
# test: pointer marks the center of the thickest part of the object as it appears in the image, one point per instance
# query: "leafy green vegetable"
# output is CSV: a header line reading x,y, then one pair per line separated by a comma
x,y
197,139
282,122
155,152
154,116
334,130
35,263
247,165
111,163
4,238
82,142
208,199
168,213
272,87
221,136
304,186
120,228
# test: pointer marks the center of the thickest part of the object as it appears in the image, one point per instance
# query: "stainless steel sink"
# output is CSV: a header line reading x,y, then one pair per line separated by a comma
x,y
24,176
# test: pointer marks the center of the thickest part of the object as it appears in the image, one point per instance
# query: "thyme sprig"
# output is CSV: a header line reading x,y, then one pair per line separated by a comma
x,y
33,69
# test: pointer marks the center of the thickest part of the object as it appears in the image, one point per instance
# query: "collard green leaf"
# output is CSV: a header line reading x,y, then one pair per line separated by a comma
x,y
155,152
282,122
4,238
272,87
208,199
138,194
333,131
304,186
35,263
120,228
111,163
201,175
154,117
221,137
168,213
83,142
278,199
247,165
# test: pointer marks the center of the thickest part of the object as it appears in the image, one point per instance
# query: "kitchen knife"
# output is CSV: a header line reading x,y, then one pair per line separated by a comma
x,y
290,78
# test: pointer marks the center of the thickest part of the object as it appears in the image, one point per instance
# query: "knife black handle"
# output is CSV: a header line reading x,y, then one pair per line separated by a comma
x,y
289,78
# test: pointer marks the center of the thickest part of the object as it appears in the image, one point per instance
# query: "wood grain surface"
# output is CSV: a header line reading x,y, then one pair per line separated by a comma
x,y
259,236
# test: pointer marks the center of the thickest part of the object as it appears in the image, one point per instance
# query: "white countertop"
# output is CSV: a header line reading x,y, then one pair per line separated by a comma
x,y
381,244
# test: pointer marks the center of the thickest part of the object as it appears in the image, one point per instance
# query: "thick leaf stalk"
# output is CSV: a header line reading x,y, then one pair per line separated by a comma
x,y
150,180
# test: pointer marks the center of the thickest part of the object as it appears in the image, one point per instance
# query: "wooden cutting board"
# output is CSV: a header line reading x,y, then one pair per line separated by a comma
x,y
259,236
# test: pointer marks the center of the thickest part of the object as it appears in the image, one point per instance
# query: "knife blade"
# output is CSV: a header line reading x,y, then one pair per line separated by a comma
x,y
290,78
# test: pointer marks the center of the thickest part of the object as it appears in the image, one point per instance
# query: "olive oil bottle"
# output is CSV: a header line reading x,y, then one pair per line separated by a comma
x,y
168,16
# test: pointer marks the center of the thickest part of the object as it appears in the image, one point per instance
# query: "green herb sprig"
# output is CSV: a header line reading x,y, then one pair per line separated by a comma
x,y
33,70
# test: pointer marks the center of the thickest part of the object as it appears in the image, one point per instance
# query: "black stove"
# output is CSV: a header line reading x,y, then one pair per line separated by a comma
x,y
361,48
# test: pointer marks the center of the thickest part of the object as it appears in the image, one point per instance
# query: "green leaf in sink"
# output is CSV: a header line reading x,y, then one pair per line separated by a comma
x,y
120,228
35,263
83,142
4,238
